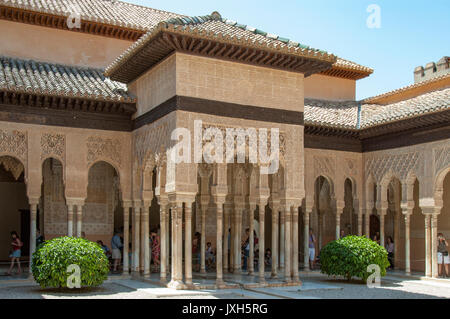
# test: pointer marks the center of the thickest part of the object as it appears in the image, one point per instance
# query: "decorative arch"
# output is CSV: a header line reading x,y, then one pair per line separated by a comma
x,y
439,185
13,164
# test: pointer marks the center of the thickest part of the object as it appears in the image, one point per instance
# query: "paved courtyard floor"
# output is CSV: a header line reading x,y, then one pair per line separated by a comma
x,y
314,286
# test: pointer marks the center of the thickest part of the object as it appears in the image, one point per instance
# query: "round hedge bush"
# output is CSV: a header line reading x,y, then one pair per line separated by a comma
x,y
350,256
51,259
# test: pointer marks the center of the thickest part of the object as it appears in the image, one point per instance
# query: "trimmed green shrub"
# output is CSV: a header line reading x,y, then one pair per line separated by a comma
x,y
350,256
51,259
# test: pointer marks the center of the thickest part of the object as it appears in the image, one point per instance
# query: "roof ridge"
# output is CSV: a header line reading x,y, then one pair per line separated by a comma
x,y
142,6
371,100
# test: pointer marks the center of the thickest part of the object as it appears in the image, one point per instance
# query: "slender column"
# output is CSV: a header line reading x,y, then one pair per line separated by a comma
x,y
126,238
136,230
282,240
367,223
179,248
239,240
145,222
219,278
338,223
434,244
407,216
274,241
168,232
251,255
79,219
33,214
164,235
142,239
173,219
188,243
295,243
225,236
232,248
70,220
203,247
382,215
261,242
427,246
237,248
287,244
306,239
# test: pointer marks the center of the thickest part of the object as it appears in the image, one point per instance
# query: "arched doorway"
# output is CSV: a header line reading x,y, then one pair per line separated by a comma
x,y
102,213
326,219
348,219
15,212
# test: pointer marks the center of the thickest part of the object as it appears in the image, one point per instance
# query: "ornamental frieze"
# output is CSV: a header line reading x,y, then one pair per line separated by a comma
x,y
441,158
53,144
104,148
151,141
401,164
323,166
15,143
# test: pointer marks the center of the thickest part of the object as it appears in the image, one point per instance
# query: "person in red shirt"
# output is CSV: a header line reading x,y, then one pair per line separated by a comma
x,y
16,245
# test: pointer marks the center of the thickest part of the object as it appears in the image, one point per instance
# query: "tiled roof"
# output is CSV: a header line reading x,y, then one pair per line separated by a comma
x,y
346,64
32,77
373,114
214,26
407,88
345,114
331,113
110,12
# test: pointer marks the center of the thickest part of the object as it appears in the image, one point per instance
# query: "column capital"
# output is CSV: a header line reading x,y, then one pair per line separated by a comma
x,y
431,210
127,203
71,201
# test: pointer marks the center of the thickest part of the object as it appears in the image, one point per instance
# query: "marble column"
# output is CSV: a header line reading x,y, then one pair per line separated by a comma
x,y
295,275
137,237
338,223
360,223
274,241
168,232
282,240
164,238
204,208
261,242
320,234
146,241
79,219
237,244
219,242
434,244
367,222
306,239
70,220
226,226
126,238
33,215
238,268
407,215
179,245
382,235
188,243
427,246
251,257
287,244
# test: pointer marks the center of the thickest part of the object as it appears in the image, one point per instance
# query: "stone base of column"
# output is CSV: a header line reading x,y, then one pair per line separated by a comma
x,y
273,275
220,284
176,284
203,271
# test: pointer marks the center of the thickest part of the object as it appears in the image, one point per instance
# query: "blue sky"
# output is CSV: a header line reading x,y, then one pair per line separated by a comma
x,y
412,32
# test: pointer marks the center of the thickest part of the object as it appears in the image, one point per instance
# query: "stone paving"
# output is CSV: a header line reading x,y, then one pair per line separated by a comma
x,y
314,286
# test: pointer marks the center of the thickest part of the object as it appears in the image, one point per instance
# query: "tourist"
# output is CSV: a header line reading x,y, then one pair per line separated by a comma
x,y
39,238
116,245
342,234
156,248
390,250
443,258
105,248
246,249
312,249
16,245
209,255
268,258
